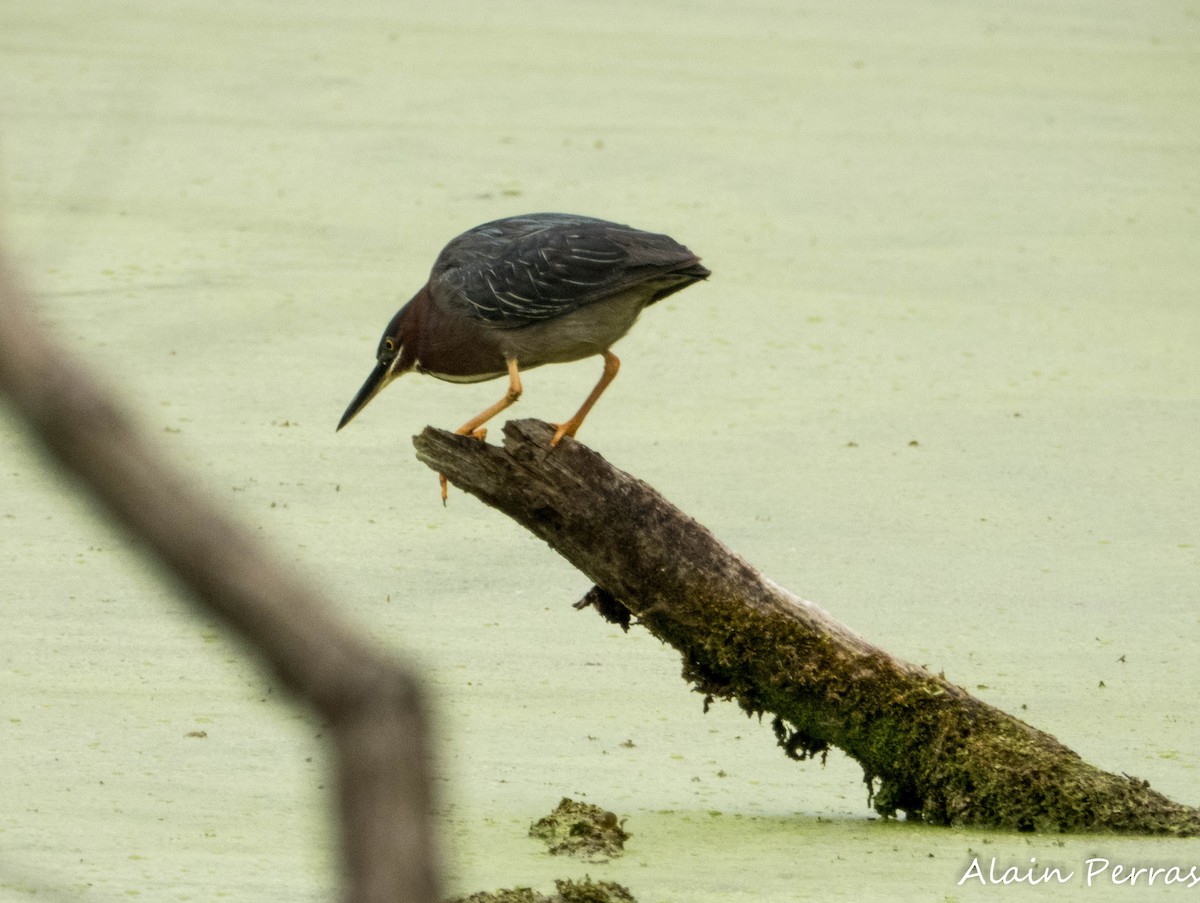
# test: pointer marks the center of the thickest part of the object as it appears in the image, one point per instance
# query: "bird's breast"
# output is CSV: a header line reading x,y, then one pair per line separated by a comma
x,y
460,377
456,349
459,349
583,332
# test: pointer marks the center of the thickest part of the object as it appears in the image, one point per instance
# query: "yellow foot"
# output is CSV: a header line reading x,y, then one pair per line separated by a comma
x,y
479,434
563,429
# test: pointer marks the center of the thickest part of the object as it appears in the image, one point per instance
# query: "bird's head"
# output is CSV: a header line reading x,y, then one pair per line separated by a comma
x,y
387,367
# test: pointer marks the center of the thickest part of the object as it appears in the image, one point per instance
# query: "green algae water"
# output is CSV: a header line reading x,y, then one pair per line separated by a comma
x,y
943,382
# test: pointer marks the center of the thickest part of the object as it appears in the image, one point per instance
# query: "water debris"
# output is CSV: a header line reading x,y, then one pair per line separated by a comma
x,y
585,891
583,830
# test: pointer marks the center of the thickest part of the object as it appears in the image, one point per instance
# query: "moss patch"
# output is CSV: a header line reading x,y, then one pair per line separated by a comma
x,y
568,891
581,829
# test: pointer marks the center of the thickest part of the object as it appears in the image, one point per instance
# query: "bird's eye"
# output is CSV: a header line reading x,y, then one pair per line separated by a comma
x,y
389,345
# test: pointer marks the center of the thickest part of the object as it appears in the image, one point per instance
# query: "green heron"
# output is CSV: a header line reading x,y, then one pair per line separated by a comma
x,y
516,293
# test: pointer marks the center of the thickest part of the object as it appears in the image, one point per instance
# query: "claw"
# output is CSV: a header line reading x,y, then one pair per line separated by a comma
x,y
478,434
563,429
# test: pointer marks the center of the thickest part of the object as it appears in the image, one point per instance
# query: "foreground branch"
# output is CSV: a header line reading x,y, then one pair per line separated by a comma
x,y
926,746
372,703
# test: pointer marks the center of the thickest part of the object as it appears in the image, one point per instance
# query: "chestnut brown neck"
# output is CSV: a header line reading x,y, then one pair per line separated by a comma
x,y
448,347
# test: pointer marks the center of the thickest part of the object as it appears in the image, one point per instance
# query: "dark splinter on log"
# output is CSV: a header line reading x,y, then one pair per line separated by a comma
x,y
927,747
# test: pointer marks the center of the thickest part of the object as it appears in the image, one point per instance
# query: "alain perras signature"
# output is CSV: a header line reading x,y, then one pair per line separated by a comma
x,y
1091,872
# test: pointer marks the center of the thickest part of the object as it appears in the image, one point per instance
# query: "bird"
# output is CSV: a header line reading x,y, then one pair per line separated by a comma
x,y
516,293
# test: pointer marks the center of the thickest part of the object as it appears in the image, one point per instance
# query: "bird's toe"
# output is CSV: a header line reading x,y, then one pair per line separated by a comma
x,y
563,429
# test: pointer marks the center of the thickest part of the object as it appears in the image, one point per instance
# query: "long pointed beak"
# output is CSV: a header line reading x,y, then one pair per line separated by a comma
x,y
384,373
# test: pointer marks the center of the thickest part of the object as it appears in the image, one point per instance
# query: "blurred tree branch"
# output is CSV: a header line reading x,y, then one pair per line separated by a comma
x,y
372,703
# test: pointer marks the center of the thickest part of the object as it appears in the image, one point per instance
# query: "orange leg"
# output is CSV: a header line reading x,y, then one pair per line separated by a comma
x,y
474,426
612,364
471,427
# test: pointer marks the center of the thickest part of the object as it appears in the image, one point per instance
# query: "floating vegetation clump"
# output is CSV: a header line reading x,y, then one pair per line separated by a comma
x,y
583,830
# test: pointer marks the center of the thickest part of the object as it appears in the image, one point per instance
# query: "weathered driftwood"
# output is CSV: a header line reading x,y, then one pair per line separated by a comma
x,y
373,705
927,747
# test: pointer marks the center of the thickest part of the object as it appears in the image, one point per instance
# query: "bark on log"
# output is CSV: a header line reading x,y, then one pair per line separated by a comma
x,y
927,747
372,702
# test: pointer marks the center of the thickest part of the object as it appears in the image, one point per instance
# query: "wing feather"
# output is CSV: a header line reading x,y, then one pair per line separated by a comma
x,y
526,269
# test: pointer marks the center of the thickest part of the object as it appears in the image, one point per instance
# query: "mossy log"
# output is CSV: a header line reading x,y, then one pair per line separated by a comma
x,y
927,747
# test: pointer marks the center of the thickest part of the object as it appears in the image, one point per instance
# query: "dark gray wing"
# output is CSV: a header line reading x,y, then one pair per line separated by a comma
x,y
525,269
